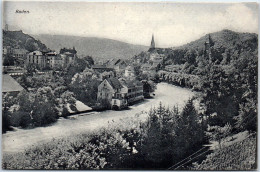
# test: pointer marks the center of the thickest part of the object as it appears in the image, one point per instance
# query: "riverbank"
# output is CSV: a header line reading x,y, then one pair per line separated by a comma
x,y
17,141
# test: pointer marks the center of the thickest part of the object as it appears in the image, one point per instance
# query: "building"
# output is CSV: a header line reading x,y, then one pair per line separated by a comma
x,y
68,55
10,85
113,92
20,53
36,57
129,72
54,60
101,68
134,90
7,50
145,68
118,65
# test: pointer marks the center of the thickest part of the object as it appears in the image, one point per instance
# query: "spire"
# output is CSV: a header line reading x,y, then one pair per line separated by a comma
x,y
152,43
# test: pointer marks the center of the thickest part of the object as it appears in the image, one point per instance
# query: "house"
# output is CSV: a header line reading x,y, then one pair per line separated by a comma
x,y
134,90
36,57
68,55
7,50
54,60
145,68
20,53
129,72
118,65
113,92
10,85
156,59
101,68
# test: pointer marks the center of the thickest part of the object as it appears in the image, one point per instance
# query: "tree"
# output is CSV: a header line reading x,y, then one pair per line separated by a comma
x,y
90,60
44,107
217,133
247,116
8,60
30,45
189,133
31,69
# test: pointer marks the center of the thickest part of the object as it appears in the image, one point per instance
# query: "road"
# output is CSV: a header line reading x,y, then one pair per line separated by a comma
x,y
20,139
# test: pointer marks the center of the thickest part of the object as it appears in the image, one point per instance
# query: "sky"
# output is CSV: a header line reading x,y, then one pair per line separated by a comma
x,y
172,24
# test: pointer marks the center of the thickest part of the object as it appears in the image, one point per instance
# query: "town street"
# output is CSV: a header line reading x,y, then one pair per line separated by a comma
x,y
18,140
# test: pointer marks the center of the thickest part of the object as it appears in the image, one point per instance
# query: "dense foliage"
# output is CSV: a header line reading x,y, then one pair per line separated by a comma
x,y
166,137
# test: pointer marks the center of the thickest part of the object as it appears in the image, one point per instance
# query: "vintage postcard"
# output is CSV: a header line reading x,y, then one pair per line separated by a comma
x,y
129,85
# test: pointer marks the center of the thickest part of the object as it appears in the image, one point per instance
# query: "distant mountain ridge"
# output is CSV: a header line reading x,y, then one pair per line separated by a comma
x,y
101,48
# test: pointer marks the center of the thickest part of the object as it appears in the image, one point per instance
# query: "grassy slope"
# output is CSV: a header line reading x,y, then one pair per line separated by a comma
x,y
238,156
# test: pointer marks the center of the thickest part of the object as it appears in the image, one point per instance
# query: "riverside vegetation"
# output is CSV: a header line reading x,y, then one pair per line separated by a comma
x,y
124,145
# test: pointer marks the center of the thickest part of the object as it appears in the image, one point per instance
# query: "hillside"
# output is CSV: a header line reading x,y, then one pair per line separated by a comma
x,y
96,47
224,38
239,156
227,45
18,39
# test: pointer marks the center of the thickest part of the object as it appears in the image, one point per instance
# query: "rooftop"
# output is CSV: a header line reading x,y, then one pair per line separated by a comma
x,y
37,53
99,67
131,83
114,82
10,84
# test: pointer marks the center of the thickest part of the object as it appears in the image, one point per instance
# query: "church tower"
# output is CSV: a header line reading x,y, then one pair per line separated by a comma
x,y
152,46
208,47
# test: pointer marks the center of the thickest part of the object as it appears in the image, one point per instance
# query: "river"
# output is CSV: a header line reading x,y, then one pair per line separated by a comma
x,y
20,139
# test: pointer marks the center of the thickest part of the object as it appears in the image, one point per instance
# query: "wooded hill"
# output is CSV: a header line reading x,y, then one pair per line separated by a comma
x,y
227,46
18,39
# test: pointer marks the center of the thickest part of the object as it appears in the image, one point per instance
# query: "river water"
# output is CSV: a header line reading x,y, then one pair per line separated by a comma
x,y
20,139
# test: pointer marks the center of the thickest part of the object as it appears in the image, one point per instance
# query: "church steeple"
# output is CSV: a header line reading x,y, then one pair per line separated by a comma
x,y
152,43
152,46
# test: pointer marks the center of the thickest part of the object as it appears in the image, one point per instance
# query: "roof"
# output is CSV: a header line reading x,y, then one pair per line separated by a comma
x,y
99,67
118,61
20,50
129,68
67,53
114,82
131,83
51,53
10,84
37,53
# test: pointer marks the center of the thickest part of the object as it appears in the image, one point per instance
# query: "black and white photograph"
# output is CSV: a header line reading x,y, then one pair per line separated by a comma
x,y
159,85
